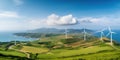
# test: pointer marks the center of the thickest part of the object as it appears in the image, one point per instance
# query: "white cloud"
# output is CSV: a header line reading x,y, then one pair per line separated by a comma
x,y
8,14
18,2
54,19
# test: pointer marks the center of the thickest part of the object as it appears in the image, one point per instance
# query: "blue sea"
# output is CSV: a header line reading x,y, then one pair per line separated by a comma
x,y
8,36
116,36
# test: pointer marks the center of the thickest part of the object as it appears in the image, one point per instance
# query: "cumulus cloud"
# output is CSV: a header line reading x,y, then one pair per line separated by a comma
x,y
8,14
54,19
18,2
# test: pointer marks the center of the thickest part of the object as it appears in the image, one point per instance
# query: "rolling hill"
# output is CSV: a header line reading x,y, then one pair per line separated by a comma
x,y
57,47
54,30
37,33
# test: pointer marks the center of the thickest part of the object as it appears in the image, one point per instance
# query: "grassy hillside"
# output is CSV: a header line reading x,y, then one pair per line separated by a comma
x,y
76,53
34,49
59,48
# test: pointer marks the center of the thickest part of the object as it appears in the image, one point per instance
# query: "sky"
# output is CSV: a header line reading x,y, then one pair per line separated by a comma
x,y
20,15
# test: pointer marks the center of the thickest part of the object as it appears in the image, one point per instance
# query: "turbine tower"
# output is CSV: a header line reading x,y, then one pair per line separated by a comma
x,y
111,35
101,34
84,32
15,40
66,33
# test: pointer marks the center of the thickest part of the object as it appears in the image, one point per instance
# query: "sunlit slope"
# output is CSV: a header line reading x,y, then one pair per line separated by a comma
x,y
34,49
60,48
78,53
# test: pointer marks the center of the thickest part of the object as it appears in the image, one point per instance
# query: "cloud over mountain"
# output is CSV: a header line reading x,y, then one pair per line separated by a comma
x,y
54,19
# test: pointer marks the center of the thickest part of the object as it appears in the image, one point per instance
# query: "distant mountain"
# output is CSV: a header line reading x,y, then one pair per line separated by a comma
x,y
54,30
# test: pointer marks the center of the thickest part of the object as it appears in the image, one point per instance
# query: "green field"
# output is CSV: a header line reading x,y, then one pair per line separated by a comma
x,y
34,49
86,53
58,48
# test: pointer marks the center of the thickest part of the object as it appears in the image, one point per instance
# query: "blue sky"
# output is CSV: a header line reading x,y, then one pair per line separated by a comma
x,y
32,14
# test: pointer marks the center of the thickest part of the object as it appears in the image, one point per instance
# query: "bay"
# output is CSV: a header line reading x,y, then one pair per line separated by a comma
x,y
9,36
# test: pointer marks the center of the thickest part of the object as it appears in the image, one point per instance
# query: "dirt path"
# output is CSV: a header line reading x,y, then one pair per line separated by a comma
x,y
27,54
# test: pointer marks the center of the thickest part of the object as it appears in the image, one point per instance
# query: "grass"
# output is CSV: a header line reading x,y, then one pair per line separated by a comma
x,y
93,50
12,52
11,55
98,52
106,55
88,50
64,53
34,49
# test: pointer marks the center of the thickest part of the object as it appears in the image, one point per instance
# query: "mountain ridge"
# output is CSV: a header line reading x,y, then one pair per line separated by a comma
x,y
55,30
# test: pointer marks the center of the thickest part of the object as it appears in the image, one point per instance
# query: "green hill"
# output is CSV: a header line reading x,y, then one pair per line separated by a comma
x,y
57,47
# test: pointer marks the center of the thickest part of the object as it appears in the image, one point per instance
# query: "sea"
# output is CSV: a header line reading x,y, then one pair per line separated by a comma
x,y
116,35
9,36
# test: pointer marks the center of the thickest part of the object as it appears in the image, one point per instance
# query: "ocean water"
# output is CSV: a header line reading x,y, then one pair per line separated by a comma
x,y
8,36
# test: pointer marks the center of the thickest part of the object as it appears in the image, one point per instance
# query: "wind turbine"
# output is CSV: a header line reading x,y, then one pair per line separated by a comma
x,y
111,35
84,32
15,40
101,34
66,33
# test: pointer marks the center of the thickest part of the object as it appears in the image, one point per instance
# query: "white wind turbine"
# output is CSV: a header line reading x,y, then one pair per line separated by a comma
x,y
66,33
84,32
111,35
102,34
15,40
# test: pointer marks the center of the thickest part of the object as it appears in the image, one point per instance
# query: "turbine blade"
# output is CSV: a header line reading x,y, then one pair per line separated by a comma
x,y
113,32
108,34
109,29
100,30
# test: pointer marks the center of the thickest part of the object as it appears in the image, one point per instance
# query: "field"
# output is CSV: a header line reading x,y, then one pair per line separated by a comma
x,y
58,48
34,49
86,53
11,55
